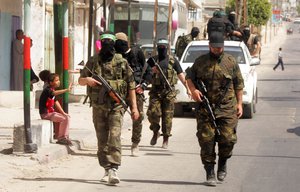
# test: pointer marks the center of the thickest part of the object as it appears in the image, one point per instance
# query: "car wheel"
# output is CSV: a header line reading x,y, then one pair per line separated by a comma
x,y
178,110
248,110
255,101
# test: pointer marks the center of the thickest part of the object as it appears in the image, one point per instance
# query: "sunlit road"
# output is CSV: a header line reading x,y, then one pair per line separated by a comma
x,y
266,157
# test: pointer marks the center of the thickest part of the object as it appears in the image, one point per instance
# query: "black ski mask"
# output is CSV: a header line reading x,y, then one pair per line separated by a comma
x,y
121,46
246,34
231,18
107,51
162,51
195,31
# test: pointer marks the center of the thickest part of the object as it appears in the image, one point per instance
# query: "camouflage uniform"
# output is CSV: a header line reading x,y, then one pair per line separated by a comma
x,y
136,61
221,79
161,101
107,115
137,125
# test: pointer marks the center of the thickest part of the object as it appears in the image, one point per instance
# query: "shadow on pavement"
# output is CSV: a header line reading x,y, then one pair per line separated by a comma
x,y
162,182
7,151
268,156
61,179
295,130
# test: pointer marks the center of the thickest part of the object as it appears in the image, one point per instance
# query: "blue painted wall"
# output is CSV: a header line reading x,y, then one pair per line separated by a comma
x,y
5,50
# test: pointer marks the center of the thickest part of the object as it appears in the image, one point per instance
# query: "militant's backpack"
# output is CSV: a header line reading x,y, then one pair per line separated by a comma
x,y
180,46
216,24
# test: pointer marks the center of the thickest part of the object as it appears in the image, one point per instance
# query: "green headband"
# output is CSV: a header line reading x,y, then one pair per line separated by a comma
x,y
162,42
108,36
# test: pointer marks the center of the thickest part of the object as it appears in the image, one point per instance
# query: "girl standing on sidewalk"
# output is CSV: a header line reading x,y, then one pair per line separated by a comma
x,y
46,109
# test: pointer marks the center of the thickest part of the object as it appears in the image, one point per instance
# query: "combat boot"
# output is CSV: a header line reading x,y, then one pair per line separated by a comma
x,y
210,175
221,174
165,142
154,138
134,149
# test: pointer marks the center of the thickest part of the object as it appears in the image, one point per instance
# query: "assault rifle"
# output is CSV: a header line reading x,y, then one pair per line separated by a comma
x,y
111,92
201,87
152,63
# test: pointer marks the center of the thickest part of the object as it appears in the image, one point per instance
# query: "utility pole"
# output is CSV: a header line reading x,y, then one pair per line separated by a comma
x,y
154,27
91,13
238,10
129,22
104,15
29,147
65,55
112,16
170,25
245,8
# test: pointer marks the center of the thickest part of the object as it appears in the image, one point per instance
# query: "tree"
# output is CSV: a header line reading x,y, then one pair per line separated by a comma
x,y
298,9
259,11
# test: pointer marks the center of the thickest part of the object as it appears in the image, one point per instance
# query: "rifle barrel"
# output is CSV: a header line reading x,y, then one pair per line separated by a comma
x,y
163,76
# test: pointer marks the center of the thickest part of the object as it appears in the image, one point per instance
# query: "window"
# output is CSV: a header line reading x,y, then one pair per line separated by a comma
x,y
196,51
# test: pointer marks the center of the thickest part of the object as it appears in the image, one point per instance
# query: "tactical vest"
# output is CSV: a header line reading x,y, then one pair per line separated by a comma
x,y
170,73
113,72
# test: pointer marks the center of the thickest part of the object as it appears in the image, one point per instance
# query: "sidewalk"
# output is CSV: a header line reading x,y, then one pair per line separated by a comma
x,y
82,131
81,126
82,134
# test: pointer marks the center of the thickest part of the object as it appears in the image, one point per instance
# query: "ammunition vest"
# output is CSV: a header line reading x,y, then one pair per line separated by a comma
x,y
170,74
113,72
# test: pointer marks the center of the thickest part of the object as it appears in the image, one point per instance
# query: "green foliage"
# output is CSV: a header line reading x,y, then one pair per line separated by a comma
x,y
298,9
230,5
259,11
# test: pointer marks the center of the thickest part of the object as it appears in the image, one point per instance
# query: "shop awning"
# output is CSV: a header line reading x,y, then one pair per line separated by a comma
x,y
194,3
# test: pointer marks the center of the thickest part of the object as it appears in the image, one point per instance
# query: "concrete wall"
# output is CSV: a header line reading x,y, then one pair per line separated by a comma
x,y
37,34
14,7
80,32
11,8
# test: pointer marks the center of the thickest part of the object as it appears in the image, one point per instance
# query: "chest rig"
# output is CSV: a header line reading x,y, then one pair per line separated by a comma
x,y
114,73
169,72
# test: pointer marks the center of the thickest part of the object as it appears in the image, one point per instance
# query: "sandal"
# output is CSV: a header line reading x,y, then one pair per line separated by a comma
x,y
64,141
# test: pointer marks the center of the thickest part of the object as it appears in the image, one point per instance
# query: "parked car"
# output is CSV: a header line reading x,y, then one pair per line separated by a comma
x,y
246,63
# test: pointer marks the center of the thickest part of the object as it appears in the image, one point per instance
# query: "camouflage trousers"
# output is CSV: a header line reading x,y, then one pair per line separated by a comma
x,y
108,124
161,106
137,125
207,137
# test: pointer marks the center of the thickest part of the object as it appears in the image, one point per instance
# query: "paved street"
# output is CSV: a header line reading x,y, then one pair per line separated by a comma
x,y
265,159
